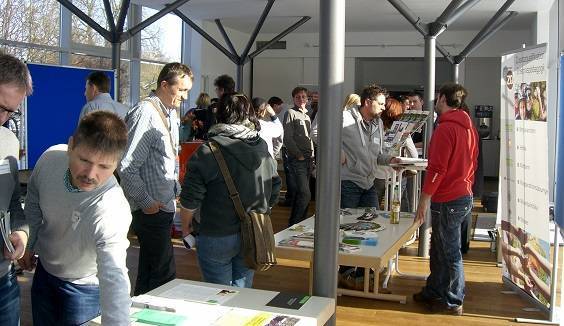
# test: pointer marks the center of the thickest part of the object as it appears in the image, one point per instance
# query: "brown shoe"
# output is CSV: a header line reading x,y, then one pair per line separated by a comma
x,y
441,308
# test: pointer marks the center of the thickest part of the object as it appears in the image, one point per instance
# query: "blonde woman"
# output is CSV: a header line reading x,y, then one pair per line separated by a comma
x,y
352,100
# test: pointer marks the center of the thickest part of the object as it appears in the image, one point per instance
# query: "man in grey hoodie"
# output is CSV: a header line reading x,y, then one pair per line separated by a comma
x,y
15,84
361,183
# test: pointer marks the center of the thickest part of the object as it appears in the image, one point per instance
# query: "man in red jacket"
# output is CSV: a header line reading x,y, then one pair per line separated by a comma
x,y
453,153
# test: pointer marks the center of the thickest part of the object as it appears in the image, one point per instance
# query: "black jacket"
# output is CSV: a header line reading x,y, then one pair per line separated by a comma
x,y
254,172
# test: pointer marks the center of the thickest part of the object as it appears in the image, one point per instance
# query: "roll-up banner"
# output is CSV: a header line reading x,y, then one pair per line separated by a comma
x,y
524,194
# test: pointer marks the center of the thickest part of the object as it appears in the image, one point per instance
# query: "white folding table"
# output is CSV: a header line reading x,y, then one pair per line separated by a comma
x,y
390,240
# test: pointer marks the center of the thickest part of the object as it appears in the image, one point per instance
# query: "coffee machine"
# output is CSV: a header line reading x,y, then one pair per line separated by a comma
x,y
484,115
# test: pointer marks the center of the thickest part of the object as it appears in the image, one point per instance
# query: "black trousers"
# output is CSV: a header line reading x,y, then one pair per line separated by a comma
x,y
156,256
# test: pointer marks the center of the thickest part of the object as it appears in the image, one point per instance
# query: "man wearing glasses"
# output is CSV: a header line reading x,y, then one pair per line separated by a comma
x,y
149,173
15,85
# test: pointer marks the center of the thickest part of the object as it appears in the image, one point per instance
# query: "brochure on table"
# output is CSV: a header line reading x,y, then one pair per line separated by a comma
x,y
523,174
363,231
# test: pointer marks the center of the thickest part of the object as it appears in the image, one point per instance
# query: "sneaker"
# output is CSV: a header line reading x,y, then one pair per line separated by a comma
x,y
441,308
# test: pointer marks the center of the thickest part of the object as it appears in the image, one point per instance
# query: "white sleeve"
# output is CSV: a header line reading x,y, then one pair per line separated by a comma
x,y
410,147
111,253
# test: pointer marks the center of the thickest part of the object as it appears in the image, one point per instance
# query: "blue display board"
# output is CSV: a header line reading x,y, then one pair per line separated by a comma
x,y
54,107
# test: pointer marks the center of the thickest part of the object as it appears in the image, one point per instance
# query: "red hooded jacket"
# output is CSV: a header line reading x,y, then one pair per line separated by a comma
x,y
453,154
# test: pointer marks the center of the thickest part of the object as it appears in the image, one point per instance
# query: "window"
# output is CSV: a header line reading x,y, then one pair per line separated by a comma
x,y
30,21
162,40
84,34
148,79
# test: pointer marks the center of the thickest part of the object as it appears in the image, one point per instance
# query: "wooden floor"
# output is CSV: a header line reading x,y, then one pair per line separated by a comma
x,y
485,304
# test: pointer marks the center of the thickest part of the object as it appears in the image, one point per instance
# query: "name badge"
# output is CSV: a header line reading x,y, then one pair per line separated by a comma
x,y
75,218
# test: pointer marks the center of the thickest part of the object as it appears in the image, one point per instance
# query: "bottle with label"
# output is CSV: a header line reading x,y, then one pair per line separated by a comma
x,y
396,207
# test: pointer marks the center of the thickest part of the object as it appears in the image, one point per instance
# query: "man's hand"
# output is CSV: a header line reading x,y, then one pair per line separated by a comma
x,y
28,260
422,208
301,158
396,160
153,209
19,241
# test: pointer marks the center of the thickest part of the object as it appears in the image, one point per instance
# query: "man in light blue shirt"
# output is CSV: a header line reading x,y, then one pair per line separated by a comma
x,y
97,91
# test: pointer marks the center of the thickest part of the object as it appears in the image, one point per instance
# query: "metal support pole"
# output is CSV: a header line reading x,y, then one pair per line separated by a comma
x,y
116,56
225,37
429,96
65,37
87,20
208,37
257,28
331,79
240,81
110,16
122,14
410,16
163,12
486,32
278,37
455,72
460,11
135,50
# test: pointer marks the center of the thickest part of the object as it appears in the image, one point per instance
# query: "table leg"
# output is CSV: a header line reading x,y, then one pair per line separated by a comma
x,y
405,275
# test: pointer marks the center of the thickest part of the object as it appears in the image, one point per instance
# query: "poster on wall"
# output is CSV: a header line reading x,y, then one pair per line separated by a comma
x,y
524,194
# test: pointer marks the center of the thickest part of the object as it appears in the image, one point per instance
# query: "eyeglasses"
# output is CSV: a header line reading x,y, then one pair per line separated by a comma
x,y
10,113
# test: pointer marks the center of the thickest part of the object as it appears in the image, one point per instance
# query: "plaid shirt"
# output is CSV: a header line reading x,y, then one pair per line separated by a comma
x,y
148,169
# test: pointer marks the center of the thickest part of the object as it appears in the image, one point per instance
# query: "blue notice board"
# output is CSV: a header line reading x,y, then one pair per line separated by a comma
x,y
54,107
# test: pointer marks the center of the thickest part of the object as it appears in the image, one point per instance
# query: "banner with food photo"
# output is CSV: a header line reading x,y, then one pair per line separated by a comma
x,y
523,175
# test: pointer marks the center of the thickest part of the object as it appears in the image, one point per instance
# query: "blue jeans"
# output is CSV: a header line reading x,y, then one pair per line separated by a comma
x,y
222,262
446,281
353,196
58,302
9,299
300,171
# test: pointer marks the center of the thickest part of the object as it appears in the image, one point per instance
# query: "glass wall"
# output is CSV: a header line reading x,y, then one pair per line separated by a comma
x,y
31,29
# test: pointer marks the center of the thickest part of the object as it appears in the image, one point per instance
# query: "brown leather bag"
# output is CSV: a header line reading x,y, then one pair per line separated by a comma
x,y
257,236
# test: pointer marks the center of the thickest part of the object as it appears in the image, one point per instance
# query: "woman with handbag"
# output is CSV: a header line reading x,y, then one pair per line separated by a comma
x,y
253,172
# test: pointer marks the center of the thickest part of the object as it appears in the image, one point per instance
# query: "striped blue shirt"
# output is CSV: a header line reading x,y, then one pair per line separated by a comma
x,y
148,168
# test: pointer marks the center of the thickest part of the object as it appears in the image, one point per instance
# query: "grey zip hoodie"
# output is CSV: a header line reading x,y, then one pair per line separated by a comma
x,y
362,149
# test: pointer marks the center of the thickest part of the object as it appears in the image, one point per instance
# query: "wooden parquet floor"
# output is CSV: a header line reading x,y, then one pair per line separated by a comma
x,y
485,304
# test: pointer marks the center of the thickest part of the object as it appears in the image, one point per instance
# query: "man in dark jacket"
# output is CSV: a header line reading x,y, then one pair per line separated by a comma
x,y
254,173
447,188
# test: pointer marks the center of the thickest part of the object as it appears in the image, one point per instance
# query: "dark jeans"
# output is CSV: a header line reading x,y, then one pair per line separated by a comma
x,y
156,256
290,183
9,299
446,282
353,196
300,171
58,302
